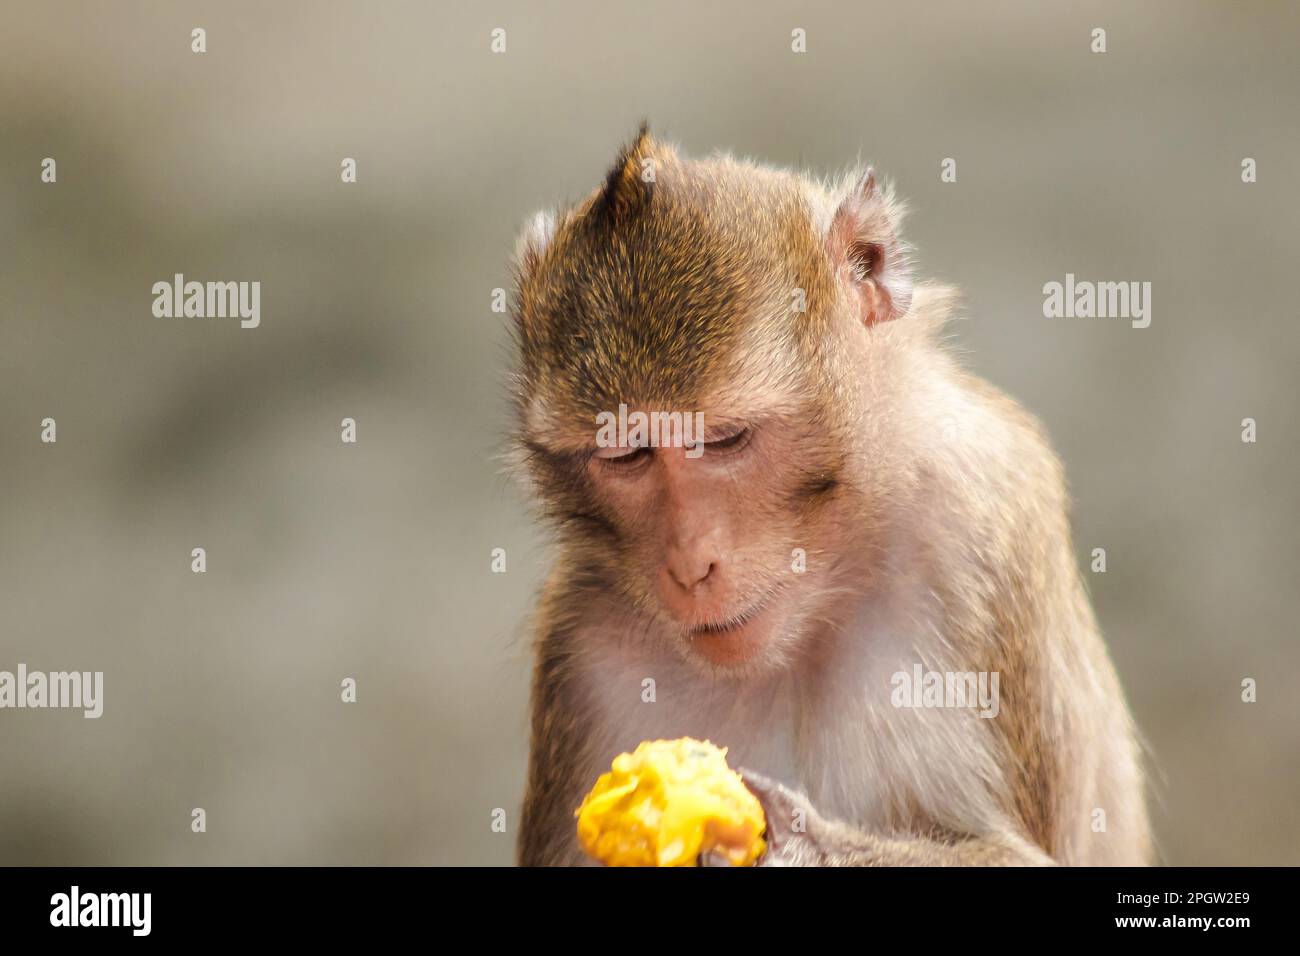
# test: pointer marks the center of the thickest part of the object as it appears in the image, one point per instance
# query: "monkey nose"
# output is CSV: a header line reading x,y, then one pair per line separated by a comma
x,y
690,571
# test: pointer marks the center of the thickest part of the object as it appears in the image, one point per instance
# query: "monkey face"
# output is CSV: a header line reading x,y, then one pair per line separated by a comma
x,y
711,529
714,540
713,290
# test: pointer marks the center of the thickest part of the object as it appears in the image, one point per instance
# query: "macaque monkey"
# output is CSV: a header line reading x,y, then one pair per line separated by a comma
x,y
865,512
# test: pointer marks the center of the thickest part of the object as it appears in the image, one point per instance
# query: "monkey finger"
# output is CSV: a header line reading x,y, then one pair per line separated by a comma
x,y
782,807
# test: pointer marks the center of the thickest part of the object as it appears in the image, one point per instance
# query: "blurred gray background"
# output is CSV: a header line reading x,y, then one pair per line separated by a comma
x,y
372,561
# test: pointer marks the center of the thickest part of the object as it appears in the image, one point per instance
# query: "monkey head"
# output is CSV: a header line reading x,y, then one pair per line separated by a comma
x,y
742,294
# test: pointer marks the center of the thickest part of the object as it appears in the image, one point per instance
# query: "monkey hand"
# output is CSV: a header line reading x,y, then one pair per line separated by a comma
x,y
797,835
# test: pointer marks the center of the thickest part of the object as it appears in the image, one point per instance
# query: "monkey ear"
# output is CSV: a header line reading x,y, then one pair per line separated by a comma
x,y
533,241
867,252
630,180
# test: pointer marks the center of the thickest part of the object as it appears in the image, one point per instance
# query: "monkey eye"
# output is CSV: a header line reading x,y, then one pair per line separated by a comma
x,y
623,457
732,442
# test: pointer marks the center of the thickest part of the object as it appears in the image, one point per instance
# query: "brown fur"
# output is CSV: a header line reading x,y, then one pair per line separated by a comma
x,y
676,294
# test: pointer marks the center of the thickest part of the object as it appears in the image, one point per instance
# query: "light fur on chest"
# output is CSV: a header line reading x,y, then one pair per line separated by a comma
x,y
838,736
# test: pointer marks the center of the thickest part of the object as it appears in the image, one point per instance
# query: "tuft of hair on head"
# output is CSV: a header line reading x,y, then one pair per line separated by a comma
x,y
627,189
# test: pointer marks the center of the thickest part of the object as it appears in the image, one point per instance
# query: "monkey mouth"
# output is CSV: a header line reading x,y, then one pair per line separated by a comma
x,y
734,623
735,640
731,637
731,624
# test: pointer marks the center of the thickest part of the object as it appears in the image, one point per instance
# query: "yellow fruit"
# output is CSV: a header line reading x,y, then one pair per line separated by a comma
x,y
666,803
